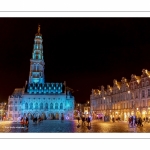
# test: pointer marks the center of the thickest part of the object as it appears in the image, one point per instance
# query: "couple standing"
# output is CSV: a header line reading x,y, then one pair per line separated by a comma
x,y
24,122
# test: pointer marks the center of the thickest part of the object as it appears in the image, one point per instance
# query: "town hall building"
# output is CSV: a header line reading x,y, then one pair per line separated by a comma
x,y
37,97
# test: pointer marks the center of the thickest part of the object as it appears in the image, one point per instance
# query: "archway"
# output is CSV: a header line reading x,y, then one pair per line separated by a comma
x,y
29,115
125,116
122,116
43,116
144,113
57,116
52,117
138,114
132,113
148,114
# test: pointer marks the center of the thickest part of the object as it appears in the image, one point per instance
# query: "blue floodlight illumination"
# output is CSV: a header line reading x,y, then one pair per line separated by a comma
x,y
38,97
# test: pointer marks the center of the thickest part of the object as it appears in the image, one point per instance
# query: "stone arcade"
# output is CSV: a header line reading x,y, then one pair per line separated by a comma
x,y
37,98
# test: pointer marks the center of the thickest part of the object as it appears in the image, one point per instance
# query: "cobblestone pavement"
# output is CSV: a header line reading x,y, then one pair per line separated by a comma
x,y
57,126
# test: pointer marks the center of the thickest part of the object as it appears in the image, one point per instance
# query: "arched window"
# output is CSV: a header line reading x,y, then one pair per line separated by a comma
x,y
46,106
26,106
37,57
31,105
34,67
37,67
112,99
61,106
36,105
41,106
143,94
148,92
147,83
143,103
56,105
135,86
51,106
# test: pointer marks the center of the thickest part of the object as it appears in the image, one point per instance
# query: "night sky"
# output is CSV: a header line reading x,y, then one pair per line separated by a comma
x,y
84,52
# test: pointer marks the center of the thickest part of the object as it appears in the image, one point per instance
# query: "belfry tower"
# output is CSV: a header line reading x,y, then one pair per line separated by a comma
x,y
36,74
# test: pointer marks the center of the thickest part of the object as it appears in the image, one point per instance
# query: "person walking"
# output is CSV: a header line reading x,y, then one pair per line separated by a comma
x,y
89,121
83,120
22,122
147,119
113,119
62,117
133,122
78,119
27,122
140,122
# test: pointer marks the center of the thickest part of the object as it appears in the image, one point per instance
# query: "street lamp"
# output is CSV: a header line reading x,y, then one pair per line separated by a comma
x,y
132,95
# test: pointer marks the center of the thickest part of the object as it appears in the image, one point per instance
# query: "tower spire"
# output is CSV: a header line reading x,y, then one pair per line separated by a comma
x,y
36,74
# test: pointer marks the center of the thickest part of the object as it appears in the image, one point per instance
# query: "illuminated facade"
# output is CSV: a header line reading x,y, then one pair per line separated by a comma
x,y
37,98
124,98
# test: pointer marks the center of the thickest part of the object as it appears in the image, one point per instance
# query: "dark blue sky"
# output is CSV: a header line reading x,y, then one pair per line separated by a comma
x,y
84,52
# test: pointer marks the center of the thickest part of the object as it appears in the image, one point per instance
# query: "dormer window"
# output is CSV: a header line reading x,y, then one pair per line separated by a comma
x,y
135,86
143,94
147,83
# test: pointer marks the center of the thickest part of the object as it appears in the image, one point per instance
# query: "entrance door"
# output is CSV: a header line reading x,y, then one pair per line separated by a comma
x,y
52,117
57,116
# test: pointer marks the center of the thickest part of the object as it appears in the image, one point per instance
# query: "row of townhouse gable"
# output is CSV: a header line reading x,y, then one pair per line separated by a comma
x,y
124,98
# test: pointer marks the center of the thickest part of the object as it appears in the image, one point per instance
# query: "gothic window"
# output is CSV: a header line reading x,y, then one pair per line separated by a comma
x,y
51,106
10,108
37,67
148,92
56,105
132,104
11,102
131,95
61,106
112,99
34,67
46,106
15,108
143,103
136,96
26,106
36,105
143,94
127,96
135,86
31,105
41,106
147,83
142,84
